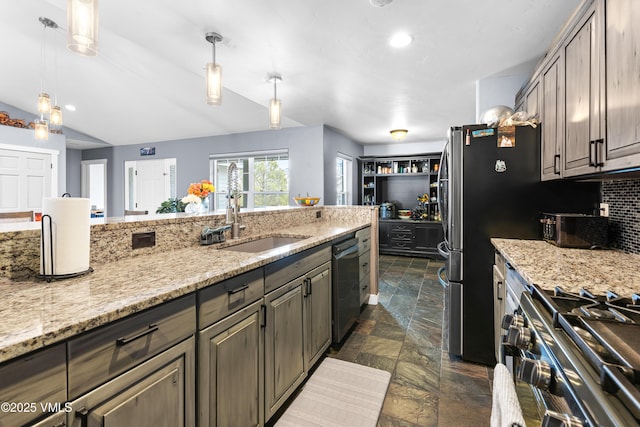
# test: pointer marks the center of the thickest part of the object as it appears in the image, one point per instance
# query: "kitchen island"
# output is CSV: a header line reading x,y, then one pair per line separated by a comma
x,y
244,320
36,314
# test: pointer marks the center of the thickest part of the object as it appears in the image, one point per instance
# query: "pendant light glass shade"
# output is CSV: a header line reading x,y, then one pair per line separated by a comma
x,y
275,108
44,103
82,27
56,115
214,84
41,130
213,73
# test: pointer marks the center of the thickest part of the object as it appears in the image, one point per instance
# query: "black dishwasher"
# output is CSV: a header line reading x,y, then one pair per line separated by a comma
x,y
345,287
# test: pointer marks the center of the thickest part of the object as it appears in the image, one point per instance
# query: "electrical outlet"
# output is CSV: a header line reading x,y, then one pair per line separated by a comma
x,y
604,209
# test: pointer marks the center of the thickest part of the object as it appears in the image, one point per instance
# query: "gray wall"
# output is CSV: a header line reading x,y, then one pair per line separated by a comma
x,y
494,91
406,148
305,145
335,143
74,173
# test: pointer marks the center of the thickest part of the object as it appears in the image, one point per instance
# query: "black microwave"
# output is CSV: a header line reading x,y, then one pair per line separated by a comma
x,y
568,230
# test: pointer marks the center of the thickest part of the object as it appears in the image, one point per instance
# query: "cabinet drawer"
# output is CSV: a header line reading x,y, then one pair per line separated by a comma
x,y
36,378
364,239
110,350
364,290
294,266
408,245
224,298
365,266
401,228
402,236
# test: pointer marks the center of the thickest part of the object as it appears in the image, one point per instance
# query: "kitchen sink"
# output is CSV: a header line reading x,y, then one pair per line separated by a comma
x,y
264,244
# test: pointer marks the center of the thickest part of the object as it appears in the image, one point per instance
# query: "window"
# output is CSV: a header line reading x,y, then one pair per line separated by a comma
x,y
343,180
263,179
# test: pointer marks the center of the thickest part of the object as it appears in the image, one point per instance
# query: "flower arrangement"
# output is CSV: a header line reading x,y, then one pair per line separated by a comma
x,y
201,189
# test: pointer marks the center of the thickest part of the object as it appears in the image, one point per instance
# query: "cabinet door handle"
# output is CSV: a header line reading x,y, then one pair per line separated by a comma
x,y
499,290
126,340
556,160
365,264
599,162
309,287
592,155
238,289
263,316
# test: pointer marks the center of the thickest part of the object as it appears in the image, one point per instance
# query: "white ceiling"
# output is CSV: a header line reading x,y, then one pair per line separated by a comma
x,y
147,83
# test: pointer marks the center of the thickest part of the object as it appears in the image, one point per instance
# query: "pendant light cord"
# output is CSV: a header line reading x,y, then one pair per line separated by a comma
x,y
43,63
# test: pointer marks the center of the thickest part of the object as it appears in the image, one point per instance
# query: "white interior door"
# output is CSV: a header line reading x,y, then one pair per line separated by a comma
x,y
25,178
148,183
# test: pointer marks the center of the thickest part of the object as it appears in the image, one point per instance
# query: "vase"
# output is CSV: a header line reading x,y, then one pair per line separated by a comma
x,y
204,206
192,208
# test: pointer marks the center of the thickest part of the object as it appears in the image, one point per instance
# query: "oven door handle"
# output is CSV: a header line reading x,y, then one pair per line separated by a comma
x,y
614,382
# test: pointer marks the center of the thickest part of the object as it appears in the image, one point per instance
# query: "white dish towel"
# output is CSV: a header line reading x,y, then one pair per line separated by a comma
x,y
505,409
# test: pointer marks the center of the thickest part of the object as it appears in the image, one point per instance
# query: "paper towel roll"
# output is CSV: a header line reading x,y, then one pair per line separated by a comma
x,y
71,232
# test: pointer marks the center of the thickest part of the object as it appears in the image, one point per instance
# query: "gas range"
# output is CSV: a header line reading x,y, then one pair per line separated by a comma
x,y
580,353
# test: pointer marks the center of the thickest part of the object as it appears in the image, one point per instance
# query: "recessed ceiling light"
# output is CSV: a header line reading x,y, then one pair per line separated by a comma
x,y
70,107
400,40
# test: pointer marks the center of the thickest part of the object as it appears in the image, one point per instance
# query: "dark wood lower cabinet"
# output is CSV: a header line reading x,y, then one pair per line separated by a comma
x,y
414,238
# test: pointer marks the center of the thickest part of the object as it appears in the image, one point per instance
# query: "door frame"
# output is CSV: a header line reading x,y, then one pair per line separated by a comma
x,y
84,180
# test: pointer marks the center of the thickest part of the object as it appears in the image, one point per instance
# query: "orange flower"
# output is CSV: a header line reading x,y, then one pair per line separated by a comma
x,y
201,189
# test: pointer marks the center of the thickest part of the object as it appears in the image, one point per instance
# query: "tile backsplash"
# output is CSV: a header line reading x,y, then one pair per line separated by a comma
x,y
623,197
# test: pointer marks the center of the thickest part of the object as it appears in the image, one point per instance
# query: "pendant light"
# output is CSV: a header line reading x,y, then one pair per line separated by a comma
x,y
82,27
41,126
275,107
213,73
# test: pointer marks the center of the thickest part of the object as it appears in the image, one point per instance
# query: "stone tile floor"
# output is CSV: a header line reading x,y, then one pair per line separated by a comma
x,y
403,335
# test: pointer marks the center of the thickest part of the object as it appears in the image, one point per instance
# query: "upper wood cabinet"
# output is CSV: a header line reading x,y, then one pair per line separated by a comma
x,y
584,81
533,99
622,84
588,86
552,118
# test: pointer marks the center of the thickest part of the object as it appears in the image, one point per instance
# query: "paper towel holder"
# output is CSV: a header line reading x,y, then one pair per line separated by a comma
x,y
52,276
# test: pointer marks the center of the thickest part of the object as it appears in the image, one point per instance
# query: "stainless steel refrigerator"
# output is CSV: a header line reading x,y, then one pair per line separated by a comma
x,y
490,187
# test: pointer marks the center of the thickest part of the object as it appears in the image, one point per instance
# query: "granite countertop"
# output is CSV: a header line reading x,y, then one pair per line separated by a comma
x,y
35,313
548,266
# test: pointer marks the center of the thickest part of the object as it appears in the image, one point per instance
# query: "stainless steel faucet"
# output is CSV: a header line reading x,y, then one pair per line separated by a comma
x,y
233,201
